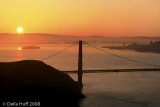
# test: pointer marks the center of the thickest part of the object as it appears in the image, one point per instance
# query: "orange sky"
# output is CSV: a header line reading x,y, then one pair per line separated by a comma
x,y
82,17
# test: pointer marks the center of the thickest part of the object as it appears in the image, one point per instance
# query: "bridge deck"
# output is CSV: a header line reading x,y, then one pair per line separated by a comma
x,y
115,70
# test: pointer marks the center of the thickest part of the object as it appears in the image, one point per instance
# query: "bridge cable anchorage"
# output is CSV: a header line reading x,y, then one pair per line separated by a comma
x,y
121,56
59,52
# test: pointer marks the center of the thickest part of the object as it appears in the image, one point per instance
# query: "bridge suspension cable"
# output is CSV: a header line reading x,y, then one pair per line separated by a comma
x,y
136,61
59,51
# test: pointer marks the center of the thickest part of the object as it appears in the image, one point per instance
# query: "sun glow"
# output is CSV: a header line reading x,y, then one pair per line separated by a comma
x,y
20,30
19,48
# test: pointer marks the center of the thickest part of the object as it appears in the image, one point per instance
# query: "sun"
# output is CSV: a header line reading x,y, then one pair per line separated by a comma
x,y
20,30
19,48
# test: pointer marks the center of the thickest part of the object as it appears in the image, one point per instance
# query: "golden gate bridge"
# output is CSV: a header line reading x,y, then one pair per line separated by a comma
x,y
83,57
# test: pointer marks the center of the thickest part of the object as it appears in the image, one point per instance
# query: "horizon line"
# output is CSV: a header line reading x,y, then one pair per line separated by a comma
x,y
77,36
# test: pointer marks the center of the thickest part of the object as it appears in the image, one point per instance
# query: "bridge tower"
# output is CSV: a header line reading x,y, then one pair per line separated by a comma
x,y
80,72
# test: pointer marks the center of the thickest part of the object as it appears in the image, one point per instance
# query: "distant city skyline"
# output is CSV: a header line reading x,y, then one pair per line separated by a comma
x,y
81,18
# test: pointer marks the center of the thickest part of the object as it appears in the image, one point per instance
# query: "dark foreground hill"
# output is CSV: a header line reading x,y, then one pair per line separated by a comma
x,y
34,81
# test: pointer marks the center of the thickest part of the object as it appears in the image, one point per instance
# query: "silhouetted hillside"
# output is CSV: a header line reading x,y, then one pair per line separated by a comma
x,y
32,80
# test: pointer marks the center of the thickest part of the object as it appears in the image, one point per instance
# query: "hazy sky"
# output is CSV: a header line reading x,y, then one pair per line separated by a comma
x,y
82,17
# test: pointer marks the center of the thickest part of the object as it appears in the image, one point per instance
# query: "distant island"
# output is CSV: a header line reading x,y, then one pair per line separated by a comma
x,y
31,47
151,47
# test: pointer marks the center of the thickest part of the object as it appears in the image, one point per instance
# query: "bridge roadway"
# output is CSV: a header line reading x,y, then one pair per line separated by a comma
x,y
115,70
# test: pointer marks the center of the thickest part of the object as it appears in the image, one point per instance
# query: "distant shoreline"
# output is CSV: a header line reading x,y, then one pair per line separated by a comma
x,y
127,49
153,47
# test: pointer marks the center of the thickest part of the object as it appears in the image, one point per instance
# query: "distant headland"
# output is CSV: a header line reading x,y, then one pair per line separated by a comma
x,y
151,47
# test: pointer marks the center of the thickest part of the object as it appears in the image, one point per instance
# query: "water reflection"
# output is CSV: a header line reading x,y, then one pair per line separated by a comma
x,y
19,55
